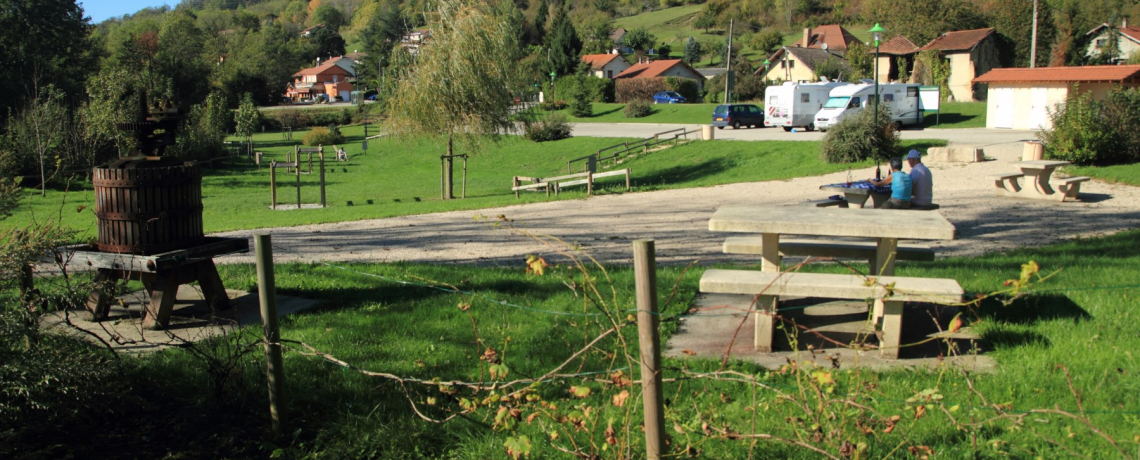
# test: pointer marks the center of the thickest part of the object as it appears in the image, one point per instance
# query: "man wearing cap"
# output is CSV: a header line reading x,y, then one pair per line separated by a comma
x,y
922,184
900,186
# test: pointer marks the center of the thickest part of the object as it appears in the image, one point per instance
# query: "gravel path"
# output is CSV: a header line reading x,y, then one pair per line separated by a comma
x,y
604,226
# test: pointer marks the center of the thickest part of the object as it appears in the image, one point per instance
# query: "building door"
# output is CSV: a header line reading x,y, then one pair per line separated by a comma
x,y
1003,108
1039,108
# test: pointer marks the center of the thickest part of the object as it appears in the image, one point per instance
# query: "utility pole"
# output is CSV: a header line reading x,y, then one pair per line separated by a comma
x,y
1033,42
728,63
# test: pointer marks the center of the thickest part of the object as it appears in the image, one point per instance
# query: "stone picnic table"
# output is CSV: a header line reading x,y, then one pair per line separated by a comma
x,y
857,193
885,227
1033,182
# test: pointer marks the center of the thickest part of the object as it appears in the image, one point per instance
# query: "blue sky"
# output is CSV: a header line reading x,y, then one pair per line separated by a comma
x,y
100,10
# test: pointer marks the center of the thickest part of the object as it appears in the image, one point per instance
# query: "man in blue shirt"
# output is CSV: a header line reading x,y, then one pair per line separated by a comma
x,y
900,186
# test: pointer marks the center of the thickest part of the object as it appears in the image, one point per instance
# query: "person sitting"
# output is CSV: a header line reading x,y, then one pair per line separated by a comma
x,y
921,181
341,155
900,186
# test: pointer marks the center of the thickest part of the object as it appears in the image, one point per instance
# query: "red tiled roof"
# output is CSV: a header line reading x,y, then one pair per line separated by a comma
x,y
959,40
327,67
898,46
597,61
653,69
1131,32
834,35
1092,73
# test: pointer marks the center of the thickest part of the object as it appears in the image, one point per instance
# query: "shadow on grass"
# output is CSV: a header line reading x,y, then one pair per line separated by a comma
x,y
946,119
688,173
607,112
994,340
1033,309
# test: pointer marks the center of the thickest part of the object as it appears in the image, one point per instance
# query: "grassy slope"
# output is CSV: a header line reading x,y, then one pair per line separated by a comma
x,y
401,177
1076,320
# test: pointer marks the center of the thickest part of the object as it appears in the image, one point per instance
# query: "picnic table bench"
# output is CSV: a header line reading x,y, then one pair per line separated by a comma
x,y
1033,182
884,226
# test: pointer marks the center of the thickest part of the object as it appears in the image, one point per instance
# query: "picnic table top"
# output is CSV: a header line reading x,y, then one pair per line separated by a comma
x,y
1042,163
797,220
857,187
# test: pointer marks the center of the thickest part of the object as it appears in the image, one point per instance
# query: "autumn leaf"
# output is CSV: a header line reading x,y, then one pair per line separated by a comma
x,y
619,399
956,323
518,447
824,378
688,352
579,392
499,371
536,265
919,411
611,435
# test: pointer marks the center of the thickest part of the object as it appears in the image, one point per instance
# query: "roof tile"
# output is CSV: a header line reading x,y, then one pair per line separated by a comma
x,y
597,61
652,69
959,40
898,46
1094,73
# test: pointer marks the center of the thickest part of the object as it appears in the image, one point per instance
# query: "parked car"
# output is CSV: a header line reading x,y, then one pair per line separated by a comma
x,y
668,97
737,115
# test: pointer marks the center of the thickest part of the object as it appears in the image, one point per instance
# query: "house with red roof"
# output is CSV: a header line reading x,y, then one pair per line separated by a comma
x,y
829,37
1020,98
896,56
329,79
971,53
605,65
798,62
662,68
1127,41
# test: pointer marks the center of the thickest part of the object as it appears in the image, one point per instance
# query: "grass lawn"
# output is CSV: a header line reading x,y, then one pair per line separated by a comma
x,y
661,113
401,177
1122,174
1074,333
957,115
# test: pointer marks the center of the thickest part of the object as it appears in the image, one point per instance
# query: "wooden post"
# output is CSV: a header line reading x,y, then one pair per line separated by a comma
x,y
321,156
627,170
273,181
267,295
442,179
645,271
589,183
297,170
514,185
463,192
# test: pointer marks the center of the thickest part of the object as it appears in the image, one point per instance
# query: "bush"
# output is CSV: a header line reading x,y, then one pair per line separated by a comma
x,y
857,138
303,118
1087,131
550,128
323,136
631,89
580,105
597,89
637,108
684,86
552,105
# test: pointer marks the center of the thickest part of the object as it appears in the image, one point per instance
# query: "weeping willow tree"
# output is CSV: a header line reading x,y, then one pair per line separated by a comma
x,y
463,80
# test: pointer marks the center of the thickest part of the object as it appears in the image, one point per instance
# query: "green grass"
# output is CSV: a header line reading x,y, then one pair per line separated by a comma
x,y
1083,319
401,177
957,115
661,113
1121,174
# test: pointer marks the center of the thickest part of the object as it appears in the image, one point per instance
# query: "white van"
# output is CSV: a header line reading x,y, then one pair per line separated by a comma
x,y
900,99
794,105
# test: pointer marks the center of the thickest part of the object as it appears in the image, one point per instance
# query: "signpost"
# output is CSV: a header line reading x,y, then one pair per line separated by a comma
x,y
930,97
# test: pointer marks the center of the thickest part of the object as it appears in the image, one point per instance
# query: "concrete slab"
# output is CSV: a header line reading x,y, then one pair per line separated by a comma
x,y
192,320
721,321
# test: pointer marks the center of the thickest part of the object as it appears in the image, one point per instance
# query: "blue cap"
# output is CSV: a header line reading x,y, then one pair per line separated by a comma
x,y
914,155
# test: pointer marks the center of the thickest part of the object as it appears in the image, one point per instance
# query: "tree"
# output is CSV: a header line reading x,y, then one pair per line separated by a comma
x,y
540,21
327,43
329,16
693,51
596,36
40,130
564,44
639,39
463,83
923,21
382,34
246,120
861,60
705,21
43,42
768,41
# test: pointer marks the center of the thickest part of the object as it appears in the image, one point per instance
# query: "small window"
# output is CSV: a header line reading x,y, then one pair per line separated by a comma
x,y
854,103
888,98
773,101
753,109
912,92
805,97
791,64
1101,42
783,64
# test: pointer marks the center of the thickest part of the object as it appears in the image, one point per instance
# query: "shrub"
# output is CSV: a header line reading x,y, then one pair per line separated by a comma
x,y
637,108
597,89
684,86
858,138
552,105
580,105
1087,131
630,89
552,127
323,136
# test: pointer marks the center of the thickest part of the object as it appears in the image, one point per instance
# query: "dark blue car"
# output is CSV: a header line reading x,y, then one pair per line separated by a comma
x,y
668,97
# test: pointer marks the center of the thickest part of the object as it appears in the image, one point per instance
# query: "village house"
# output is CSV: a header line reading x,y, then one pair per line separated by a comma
x,y
1021,98
1127,41
971,53
618,39
329,79
312,30
412,40
662,68
891,52
605,65
799,61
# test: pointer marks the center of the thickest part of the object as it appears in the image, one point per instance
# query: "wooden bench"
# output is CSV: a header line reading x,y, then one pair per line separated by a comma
x,y
1071,186
825,248
769,285
826,202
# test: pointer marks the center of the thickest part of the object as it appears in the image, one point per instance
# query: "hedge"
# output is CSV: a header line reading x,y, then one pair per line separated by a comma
x,y
628,89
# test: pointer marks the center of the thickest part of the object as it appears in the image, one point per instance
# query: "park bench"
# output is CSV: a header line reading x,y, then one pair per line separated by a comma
x,y
1007,181
826,248
889,308
1071,186
1033,182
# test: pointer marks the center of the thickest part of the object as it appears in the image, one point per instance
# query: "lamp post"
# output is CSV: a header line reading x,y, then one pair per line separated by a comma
x,y
766,64
877,35
552,75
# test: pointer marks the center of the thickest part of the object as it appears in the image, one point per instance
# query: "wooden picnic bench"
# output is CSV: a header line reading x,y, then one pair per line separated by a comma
x,y
882,225
1033,182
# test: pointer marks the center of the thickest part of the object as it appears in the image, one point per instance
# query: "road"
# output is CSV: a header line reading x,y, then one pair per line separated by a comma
x,y
979,137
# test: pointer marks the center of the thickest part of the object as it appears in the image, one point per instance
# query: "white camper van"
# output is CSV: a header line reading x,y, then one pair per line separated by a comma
x,y
794,105
900,99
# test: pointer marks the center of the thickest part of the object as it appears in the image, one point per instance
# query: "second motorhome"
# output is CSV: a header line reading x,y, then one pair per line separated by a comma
x,y
900,99
794,105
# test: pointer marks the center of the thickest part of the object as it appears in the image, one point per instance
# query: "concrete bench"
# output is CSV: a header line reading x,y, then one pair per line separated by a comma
x,y
1007,181
770,285
825,248
826,202
1071,186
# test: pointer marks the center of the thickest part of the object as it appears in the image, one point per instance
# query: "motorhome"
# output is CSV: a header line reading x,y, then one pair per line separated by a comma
x,y
900,99
794,105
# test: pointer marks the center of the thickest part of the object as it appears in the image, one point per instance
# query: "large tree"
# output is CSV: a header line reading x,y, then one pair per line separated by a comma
x,y
463,81
42,42
922,21
564,44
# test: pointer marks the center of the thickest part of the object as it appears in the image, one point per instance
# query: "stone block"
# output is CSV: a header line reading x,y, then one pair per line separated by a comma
x,y
953,155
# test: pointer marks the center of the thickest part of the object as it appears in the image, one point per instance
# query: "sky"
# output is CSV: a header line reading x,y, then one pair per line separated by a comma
x,y
100,10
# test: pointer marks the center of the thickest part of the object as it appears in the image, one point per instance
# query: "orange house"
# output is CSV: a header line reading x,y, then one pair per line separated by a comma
x,y
328,78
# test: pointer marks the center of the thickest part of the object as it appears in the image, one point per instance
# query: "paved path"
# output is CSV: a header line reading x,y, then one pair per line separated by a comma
x,y
971,136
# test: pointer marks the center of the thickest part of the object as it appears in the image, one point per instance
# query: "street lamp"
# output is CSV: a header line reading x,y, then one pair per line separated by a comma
x,y
766,64
552,75
877,35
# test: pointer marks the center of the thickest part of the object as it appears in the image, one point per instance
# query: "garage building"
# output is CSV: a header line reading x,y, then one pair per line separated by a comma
x,y
1020,98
